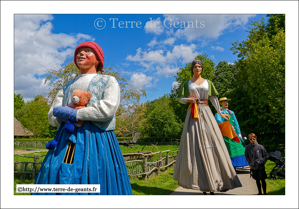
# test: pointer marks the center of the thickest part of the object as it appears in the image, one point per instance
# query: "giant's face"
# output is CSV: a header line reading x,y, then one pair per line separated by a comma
x,y
86,57
197,69
224,104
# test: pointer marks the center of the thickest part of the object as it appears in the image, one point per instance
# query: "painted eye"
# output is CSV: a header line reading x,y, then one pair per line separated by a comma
x,y
88,50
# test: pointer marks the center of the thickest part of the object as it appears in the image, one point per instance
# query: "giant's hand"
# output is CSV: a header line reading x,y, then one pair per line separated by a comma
x,y
225,116
65,113
192,100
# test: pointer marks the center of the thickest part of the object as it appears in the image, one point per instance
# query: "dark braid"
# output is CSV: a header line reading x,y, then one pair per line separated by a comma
x,y
100,69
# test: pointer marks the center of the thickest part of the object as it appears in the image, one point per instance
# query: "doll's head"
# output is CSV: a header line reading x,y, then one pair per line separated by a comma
x,y
80,98
96,50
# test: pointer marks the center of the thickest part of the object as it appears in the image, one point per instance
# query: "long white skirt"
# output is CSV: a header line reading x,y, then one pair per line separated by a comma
x,y
203,161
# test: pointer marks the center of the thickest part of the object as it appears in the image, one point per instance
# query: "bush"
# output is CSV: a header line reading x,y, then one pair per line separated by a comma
x,y
33,143
124,138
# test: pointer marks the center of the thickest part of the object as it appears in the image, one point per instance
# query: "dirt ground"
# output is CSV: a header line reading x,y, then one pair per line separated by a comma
x,y
28,151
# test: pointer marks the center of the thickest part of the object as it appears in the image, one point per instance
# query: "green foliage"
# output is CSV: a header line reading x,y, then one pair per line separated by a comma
x,y
209,66
261,78
34,117
161,120
224,76
55,79
32,139
18,103
275,22
130,119
124,138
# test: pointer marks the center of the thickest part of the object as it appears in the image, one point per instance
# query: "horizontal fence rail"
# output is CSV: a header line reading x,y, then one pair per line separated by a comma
x,y
143,167
137,163
28,167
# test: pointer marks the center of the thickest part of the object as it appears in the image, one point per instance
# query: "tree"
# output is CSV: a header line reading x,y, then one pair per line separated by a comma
x,y
224,76
55,79
130,120
34,116
129,97
275,21
161,120
261,77
18,103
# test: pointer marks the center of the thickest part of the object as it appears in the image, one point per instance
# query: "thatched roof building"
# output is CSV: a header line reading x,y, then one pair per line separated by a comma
x,y
19,130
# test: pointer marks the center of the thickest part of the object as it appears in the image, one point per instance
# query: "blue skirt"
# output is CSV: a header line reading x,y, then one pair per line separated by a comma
x,y
97,160
239,161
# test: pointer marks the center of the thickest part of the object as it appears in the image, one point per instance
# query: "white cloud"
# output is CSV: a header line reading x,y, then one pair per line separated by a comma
x,y
213,57
151,56
167,70
159,60
217,48
206,26
154,26
184,52
138,80
153,43
175,85
169,41
37,50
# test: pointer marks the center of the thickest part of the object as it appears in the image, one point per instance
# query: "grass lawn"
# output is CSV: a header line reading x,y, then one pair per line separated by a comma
x,y
158,185
163,184
21,181
274,187
20,158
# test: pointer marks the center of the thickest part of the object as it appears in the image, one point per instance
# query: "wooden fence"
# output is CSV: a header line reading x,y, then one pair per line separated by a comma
x,y
138,164
28,167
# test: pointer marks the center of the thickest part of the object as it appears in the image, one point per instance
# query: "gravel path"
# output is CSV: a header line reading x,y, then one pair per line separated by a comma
x,y
248,186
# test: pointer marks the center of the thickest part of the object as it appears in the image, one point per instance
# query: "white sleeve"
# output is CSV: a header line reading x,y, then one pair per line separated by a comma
x,y
57,102
183,100
215,102
105,108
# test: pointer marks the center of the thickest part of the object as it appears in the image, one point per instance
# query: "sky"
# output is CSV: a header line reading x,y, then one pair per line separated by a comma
x,y
147,49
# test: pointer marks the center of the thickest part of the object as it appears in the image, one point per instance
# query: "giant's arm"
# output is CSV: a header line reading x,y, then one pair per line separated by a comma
x,y
183,100
219,119
215,102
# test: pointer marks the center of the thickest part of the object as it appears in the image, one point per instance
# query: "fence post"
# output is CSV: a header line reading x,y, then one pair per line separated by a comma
x,y
145,167
160,162
167,159
33,168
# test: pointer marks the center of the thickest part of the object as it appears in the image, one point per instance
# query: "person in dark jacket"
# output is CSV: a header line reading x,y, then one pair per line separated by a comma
x,y
256,156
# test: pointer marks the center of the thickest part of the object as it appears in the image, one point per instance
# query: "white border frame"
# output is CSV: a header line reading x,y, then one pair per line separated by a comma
x,y
8,9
